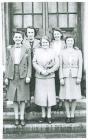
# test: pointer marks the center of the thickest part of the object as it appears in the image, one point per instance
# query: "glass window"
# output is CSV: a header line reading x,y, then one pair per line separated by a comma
x,y
17,7
38,21
17,21
27,7
72,20
72,7
27,20
62,7
52,20
63,20
37,7
52,7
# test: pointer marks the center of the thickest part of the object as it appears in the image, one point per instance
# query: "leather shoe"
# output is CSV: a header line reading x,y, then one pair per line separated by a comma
x,y
72,119
67,120
22,122
49,120
42,120
16,122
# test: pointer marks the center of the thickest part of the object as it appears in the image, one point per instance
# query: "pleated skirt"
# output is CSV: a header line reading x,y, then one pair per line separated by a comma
x,y
45,94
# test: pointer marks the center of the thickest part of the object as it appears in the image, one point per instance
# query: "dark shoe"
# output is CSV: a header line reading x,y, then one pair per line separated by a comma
x,y
49,120
72,120
22,122
16,122
67,120
42,120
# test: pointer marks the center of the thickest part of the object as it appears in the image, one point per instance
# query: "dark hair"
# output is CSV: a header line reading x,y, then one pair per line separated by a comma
x,y
19,32
31,27
70,37
56,29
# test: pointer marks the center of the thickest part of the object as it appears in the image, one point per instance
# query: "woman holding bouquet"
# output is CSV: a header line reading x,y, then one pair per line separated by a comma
x,y
45,64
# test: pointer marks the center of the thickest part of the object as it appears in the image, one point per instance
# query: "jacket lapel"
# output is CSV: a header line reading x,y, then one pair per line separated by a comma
x,y
12,53
23,49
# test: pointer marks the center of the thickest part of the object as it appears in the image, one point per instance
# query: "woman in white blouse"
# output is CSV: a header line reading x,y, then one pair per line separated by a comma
x,y
58,45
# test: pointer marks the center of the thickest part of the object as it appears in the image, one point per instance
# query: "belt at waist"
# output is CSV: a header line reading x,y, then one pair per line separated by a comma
x,y
70,66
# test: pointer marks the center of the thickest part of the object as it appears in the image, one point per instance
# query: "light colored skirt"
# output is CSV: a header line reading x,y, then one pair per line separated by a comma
x,y
70,90
45,94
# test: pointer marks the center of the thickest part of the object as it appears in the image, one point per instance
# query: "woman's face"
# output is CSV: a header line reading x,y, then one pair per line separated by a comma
x,y
57,35
45,43
30,34
70,42
17,38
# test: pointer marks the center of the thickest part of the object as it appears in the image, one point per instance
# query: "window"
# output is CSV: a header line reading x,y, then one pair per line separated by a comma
x,y
62,14
26,14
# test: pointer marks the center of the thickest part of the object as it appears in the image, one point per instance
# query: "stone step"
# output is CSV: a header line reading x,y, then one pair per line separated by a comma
x,y
34,115
44,135
36,127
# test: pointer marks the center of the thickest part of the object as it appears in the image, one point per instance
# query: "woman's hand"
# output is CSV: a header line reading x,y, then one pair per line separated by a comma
x,y
62,82
44,72
27,80
78,81
6,82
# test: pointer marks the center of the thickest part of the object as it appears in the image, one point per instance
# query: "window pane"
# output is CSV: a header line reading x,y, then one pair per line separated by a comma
x,y
27,7
17,21
52,20
52,7
72,20
17,7
38,21
62,7
37,7
27,20
63,20
72,7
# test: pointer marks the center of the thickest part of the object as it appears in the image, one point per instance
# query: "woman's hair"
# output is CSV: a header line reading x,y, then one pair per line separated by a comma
x,y
19,32
70,37
46,38
56,29
31,27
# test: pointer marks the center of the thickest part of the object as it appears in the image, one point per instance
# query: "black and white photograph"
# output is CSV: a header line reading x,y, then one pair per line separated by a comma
x,y
44,69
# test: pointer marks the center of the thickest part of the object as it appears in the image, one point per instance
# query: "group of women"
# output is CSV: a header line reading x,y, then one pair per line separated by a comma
x,y
45,57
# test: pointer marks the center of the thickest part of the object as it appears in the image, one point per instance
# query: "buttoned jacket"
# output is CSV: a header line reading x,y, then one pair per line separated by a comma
x,y
24,65
70,63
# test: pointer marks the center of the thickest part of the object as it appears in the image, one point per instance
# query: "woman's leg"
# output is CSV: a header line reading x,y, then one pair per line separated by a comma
x,y
43,112
22,110
43,119
73,107
16,112
67,107
49,112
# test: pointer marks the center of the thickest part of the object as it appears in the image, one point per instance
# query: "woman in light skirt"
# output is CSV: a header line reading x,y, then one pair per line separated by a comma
x,y
70,77
45,64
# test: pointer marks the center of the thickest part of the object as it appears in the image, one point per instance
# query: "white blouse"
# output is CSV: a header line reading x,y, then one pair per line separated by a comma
x,y
17,53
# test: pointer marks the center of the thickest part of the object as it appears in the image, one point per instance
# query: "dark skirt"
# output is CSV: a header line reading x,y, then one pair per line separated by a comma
x,y
17,89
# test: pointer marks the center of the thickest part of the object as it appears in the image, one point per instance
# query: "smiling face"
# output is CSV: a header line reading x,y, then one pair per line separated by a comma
x,y
57,35
17,38
30,34
69,42
45,43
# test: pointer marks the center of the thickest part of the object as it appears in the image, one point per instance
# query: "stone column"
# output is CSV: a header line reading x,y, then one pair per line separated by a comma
x,y
84,22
